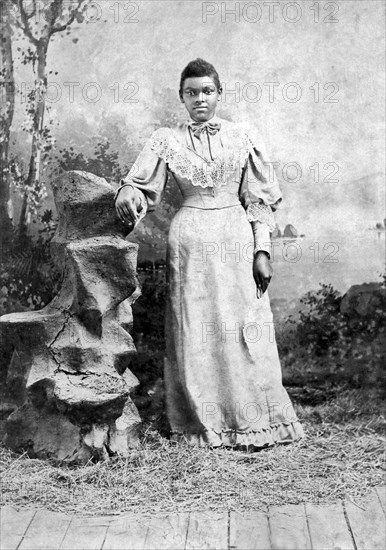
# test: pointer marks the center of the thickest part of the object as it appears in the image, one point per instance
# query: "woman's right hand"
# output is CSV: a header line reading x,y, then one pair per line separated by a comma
x,y
128,205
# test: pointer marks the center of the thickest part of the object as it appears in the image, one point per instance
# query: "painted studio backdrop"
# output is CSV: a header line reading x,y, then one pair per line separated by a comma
x,y
84,84
306,74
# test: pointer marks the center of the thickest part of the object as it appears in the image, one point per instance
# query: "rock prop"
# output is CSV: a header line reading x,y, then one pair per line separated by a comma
x,y
290,231
276,233
364,303
68,377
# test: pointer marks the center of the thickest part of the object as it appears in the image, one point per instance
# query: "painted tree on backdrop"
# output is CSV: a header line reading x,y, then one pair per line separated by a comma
x,y
7,89
37,22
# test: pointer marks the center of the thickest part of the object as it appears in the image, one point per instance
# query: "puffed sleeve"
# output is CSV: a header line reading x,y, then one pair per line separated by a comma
x,y
148,176
259,189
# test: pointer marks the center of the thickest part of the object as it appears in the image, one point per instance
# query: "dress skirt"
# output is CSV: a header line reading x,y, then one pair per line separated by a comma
x,y
223,376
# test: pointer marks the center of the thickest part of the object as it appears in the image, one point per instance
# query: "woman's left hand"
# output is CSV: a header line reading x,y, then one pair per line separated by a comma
x,y
262,271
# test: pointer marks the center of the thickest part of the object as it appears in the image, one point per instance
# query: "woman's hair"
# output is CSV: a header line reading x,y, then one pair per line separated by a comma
x,y
199,67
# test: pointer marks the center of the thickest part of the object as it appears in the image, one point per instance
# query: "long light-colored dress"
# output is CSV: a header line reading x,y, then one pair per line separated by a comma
x,y
222,371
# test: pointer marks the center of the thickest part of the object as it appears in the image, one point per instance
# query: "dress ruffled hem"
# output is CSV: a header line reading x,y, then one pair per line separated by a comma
x,y
263,437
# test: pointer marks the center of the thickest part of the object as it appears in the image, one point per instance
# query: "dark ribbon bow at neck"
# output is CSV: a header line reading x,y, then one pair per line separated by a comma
x,y
211,127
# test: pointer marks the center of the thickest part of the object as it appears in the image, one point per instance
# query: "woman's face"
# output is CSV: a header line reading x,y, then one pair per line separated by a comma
x,y
200,97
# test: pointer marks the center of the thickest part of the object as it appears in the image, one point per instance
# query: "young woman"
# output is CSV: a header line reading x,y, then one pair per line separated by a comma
x,y
222,371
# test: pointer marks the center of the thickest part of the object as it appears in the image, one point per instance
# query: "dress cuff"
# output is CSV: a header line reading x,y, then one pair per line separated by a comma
x,y
262,247
260,212
123,184
262,237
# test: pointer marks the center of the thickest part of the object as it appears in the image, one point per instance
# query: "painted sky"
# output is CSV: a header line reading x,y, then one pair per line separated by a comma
x,y
308,75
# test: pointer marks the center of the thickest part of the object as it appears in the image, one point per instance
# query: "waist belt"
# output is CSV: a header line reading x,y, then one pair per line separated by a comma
x,y
211,198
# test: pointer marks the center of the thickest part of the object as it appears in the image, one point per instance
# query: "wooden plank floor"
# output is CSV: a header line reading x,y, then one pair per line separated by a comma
x,y
345,525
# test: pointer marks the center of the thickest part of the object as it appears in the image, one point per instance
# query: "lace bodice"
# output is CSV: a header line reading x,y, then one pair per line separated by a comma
x,y
186,163
237,163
